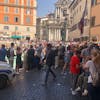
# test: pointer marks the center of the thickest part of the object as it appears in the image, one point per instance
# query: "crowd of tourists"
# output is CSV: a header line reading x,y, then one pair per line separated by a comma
x,y
82,61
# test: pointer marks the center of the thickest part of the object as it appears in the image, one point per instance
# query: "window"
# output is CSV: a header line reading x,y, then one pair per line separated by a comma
x,y
93,2
92,21
16,10
16,2
15,19
28,2
28,29
6,27
28,20
16,28
6,1
6,9
64,12
28,11
6,18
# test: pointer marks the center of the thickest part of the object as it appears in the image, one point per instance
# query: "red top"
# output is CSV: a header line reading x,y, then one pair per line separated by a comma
x,y
74,61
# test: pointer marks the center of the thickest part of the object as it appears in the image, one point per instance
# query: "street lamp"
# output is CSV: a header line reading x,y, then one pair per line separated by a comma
x,y
63,30
64,26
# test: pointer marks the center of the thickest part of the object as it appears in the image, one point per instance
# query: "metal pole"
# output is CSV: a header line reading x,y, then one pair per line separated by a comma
x,y
90,22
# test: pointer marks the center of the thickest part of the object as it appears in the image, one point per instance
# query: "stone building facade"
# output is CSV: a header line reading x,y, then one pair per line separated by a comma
x,y
95,20
18,17
77,8
55,22
60,19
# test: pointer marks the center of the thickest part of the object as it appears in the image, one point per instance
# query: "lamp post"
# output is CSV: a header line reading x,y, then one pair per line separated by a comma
x,y
64,29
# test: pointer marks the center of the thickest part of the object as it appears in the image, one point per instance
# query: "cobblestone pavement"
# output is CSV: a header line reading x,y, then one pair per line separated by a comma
x,y
27,86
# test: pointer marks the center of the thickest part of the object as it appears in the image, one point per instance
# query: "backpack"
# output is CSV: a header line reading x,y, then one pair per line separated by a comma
x,y
96,77
8,53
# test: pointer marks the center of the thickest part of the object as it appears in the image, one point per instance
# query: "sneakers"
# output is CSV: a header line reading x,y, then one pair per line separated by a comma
x,y
85,93
56,66
71,89
44,84
78,89
54,79
64,73
74,92
26,71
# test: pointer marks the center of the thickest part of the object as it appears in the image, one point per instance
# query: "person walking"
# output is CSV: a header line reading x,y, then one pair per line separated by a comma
x,y
18,59
50,59
61,51
75,69
25,66
30,58
39,50
10,54
3,53
56,57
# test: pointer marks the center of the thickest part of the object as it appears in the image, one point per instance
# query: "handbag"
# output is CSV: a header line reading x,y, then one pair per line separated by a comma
x,y
96,77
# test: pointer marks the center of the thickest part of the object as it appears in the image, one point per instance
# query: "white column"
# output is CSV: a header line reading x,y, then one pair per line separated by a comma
x,y
57,11
59,34
49,34
60,13
41,34
52,34
66,34
56,34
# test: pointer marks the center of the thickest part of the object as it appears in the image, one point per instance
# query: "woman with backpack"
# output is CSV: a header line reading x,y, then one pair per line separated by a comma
x,y
93,66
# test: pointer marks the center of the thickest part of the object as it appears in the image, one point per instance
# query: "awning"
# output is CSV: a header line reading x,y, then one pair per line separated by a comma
x,y
23,36
16,37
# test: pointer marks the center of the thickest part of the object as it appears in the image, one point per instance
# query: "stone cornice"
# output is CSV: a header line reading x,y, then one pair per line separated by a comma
x,y
19,6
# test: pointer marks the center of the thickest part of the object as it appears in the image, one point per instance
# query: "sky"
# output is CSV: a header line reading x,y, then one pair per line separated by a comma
x,y
45,7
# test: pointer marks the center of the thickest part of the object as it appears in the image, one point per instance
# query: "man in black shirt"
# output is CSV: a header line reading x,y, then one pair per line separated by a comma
x,y
50,60
30,57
